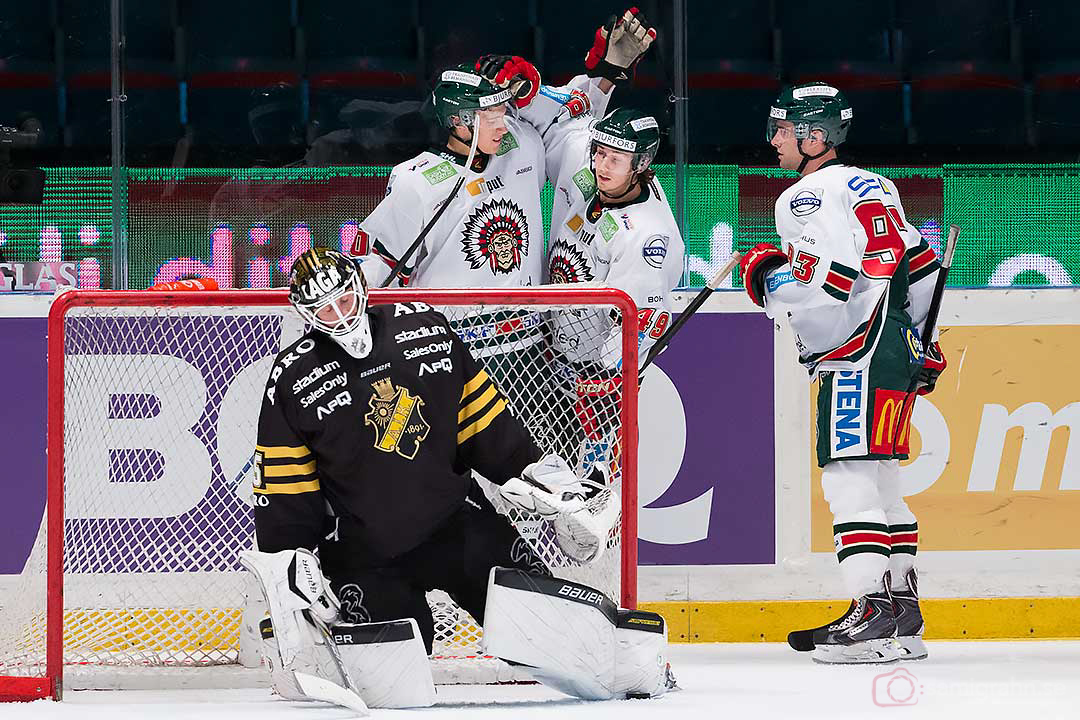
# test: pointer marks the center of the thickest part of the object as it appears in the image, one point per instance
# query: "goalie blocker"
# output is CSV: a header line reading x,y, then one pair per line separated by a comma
x,y
574,638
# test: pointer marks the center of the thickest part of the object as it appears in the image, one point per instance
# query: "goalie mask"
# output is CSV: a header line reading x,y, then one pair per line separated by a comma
x,y
330,293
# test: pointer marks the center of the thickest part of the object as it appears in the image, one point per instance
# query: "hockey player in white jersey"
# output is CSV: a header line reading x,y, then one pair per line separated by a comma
x,y
491,233
615,229
854,280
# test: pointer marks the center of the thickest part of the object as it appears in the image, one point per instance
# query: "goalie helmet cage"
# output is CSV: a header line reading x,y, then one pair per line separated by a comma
x,y
142,524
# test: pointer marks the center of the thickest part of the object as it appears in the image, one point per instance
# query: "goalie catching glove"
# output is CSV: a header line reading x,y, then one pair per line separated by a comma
x,y
584,511
618,46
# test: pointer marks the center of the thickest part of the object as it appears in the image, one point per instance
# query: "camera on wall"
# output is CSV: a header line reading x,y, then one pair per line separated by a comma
x,y
20,186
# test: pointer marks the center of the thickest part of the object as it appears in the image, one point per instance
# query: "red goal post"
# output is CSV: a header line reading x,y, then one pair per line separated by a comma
x,y
131,322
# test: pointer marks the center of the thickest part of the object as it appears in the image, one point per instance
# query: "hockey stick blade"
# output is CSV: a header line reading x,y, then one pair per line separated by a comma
x,y
801,640
317,688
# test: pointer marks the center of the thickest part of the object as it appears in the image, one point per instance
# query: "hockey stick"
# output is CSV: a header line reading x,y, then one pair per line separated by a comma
x,y
320,689
317,688
939,286
394,271
685,315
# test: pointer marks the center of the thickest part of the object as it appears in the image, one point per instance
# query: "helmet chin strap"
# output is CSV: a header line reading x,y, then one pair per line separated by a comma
x,y
807,158
630,186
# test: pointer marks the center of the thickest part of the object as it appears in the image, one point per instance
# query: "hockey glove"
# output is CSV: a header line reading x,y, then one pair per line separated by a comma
x,y
293,584
618,46
546,487
755,264
513,72
933,365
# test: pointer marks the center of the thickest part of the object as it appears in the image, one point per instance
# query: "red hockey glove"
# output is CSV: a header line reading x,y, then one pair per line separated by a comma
x,y
933,365
513,72
618,46
754,263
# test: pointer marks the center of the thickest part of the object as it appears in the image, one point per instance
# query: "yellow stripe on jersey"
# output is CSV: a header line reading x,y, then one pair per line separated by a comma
x,y
476,405
273,452
293,488
481,424
288,470
472,385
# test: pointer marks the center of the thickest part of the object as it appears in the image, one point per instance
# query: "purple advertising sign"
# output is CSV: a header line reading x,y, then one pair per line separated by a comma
x,y
721,365
706,485
22,417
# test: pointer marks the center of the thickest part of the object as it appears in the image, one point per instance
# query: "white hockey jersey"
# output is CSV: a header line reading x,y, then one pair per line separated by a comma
x,y
852,259
491,235
634,246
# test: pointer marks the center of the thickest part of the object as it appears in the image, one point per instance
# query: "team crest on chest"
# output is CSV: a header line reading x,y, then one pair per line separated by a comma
x,y
496,235
567,264
396,416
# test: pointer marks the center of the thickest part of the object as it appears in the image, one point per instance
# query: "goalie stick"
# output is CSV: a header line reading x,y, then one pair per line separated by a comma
x,y
803,640
685,315
320,689
396,270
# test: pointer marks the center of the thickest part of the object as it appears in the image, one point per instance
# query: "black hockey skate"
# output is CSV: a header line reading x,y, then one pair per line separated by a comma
x,y
909,619
866,633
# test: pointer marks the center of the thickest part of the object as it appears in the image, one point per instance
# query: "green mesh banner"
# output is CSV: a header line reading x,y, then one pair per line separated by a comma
x,y
1020,224
73,224
244,227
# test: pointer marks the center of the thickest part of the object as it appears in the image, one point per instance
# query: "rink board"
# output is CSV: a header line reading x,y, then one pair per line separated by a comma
x,y
735,540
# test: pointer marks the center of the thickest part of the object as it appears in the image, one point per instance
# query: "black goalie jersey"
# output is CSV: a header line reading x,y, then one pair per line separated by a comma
x,y
378,450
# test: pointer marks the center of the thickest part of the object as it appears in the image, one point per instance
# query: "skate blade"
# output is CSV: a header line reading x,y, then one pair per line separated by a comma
x,y
879,652
912,647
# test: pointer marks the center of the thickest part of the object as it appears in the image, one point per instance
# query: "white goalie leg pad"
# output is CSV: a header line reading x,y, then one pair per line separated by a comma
x,y
388,662
574,638
313,659
251,651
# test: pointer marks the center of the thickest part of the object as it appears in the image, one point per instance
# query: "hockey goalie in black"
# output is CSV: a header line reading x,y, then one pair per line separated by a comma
x,y
370,426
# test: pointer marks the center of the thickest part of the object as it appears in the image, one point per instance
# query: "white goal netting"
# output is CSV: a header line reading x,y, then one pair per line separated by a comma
x,y
155,408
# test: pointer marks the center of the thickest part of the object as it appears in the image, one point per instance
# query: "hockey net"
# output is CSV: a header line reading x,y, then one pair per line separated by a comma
x,y
153,405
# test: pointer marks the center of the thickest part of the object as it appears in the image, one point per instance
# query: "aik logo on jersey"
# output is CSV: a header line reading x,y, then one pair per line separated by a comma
x,y
496,235
396,417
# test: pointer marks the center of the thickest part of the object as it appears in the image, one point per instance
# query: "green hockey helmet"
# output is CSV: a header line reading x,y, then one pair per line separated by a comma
x,y
631,131
812,106
461,91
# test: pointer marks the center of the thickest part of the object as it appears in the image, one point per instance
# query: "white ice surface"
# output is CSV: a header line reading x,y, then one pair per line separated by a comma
x,y
960,681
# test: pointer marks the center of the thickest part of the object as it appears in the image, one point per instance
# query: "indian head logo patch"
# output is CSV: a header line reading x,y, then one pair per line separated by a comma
x,y
567,264
395,414
496,235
